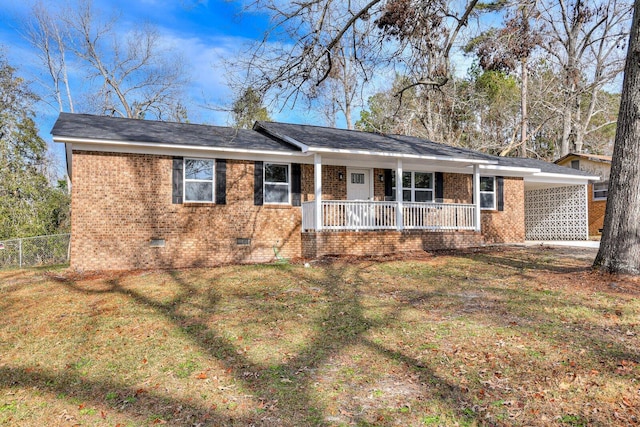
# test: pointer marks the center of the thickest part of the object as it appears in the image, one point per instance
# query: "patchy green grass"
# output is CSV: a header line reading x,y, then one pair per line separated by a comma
x,y
506,336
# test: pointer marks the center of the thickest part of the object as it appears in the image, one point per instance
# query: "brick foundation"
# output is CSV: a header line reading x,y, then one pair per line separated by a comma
x,y
359,243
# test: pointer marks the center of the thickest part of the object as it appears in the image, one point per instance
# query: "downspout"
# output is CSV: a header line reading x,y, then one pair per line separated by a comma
x,y
317,185
476,196
399,219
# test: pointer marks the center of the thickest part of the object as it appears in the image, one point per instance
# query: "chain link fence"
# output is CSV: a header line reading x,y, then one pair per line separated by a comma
x,y
34,251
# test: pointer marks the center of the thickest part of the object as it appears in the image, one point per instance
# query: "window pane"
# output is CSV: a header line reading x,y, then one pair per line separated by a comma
x,y
406,179
274,193
198,191
486,183
600,190
276,173
423,180
486,201
406,195
424,196
600,194
198,169
393,179
357,178
601,186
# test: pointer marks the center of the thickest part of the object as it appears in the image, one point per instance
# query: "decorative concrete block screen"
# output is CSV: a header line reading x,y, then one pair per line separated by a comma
x,y
556,213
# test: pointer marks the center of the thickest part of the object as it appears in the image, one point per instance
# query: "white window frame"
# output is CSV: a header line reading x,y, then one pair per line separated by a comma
x,y
494,193
605,190
264,183
212,180
413,188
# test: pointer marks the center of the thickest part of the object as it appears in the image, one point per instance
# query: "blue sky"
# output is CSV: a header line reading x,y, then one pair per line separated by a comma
x,y
204,32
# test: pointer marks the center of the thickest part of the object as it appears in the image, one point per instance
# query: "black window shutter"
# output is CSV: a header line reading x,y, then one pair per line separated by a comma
x,y
176,180
439,187
221,181
388,190
500,193
258,197
296,184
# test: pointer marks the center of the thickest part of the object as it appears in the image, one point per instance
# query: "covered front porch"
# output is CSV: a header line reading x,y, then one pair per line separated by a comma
x,y
418,205
360,208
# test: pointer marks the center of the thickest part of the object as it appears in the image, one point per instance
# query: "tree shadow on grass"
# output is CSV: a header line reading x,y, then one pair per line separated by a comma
x,y
512,258
341,325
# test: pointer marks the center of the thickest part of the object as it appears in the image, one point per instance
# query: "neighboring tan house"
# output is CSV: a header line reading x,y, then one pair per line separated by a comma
x,y
148,194
599,166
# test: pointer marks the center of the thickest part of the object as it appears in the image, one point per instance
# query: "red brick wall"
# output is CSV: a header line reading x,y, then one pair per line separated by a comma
x,y
457,188
332,187
506,226
384,243
122,201
596,213
378,186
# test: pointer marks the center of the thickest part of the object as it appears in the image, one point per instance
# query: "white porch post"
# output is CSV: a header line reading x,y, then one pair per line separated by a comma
x,y
399,221
317,185
476,195
586,211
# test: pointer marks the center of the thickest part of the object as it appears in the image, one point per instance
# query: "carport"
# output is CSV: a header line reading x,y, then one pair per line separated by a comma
x,y
555,201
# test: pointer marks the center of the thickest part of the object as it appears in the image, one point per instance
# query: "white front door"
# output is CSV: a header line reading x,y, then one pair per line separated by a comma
x,y
359,215
358,184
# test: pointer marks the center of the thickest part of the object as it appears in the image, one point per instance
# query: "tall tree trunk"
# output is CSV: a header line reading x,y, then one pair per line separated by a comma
x,y
577,124
620,244
566,129
524,123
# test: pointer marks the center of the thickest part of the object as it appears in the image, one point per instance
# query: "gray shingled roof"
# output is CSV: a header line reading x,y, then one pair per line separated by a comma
x,y
119,129
317,136
343,139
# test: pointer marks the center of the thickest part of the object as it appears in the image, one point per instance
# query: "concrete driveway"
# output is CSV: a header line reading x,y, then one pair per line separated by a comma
x,y
575,243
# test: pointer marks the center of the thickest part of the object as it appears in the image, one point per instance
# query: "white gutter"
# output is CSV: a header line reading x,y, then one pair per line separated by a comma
x,y
518,169
399,155
169,147
561,178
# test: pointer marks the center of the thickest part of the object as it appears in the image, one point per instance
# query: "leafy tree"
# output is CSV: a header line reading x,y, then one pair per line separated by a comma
x,y
388,113
248,108
503,50
29,205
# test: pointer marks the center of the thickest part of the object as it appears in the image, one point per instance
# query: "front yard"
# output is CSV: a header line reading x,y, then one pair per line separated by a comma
x,y
506,336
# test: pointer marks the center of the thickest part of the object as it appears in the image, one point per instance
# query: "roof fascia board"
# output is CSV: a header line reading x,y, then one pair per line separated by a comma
x,y
285,138
201,153
390,163
139,146
561,178
516,170
321,150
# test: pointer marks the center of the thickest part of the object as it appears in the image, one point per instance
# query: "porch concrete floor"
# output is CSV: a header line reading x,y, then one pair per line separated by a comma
x,y
575,243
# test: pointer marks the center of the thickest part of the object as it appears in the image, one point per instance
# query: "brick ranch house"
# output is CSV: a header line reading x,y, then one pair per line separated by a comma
x,y
148,194
597,191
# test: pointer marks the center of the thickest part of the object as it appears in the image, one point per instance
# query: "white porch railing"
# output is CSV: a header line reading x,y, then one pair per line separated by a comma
x,y
368,215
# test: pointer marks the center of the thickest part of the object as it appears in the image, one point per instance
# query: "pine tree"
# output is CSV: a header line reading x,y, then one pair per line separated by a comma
x,y
29,204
